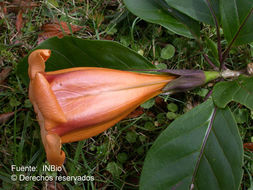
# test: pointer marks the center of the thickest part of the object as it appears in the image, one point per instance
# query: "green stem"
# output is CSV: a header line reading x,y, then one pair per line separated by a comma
x,y
211,75
218,33
225,54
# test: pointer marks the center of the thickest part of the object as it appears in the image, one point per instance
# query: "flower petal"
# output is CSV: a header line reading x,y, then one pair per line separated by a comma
x,y
55,155
91,97
37,61
78,103
46,102
93,130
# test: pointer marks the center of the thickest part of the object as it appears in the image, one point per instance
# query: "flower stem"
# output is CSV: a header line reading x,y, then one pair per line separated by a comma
x,y
225,54
210,62
217,32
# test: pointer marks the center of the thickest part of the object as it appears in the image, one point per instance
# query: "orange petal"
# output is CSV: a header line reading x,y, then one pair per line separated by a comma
x,y
46,101
90,131
55,155
37,61
78,103
95,96
40,92
51,73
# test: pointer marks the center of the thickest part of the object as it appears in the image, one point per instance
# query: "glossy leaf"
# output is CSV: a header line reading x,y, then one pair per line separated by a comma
x,y
233,14
157,11
240,90
74,52
221,164
175,160
197,9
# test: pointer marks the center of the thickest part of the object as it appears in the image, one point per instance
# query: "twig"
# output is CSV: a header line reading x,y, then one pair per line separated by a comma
x,y
210,62
4,86
208,95
225,54
206,57
218,34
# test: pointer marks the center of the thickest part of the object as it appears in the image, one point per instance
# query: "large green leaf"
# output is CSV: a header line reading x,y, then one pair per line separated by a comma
x,y
202,148
233,14
221,164
157,11
74,52
192,25
197,9
240,90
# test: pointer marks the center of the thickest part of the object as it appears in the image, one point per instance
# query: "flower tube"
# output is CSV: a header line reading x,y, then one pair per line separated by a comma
x,y
78,103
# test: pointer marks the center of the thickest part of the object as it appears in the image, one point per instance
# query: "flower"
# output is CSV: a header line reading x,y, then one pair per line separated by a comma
x,y
78,103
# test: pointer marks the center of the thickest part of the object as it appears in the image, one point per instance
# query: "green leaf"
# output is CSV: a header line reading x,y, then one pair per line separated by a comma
x,y
140,150
161,66
223,155
202,92
187,155
74,52
54,3
196,9
112,31
158,12
233,14
191,24
148,104
172,107
149,126
122,157
102,150
171,115
251,116
14,102
27,103
212,46
114,169
241,115
240,90
168,52
131,137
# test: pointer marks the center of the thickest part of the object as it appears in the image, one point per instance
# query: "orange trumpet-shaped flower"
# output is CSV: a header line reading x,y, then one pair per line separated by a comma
x,y
78,103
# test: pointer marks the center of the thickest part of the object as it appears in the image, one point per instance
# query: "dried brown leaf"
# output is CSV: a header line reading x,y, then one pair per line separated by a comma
x,y
136,113
160,102
3,9
4,74
57,29
5,116
19,21
108,37
23,4
248,146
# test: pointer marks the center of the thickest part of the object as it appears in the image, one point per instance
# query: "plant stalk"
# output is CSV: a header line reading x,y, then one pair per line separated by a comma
x,y
218,34
210,62
231,74
225,54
